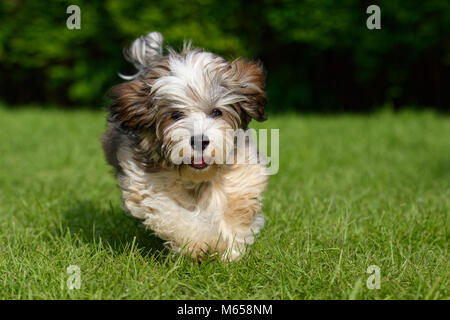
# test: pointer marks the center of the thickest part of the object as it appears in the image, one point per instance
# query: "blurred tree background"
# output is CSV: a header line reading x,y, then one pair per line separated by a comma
x,y
319,54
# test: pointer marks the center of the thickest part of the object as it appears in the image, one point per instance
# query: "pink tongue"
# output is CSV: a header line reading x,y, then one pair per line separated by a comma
x,y
199,165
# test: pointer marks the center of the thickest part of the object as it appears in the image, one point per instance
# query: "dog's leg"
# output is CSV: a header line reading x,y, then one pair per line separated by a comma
x,y
242,219
184,231
239,227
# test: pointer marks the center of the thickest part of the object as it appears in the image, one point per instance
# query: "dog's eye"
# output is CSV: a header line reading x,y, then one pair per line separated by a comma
x,y
176,115
216,113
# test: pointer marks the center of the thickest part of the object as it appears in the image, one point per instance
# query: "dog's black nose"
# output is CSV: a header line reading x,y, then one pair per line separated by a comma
x,y
199,141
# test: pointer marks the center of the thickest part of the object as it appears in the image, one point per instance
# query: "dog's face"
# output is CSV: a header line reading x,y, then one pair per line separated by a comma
x,y
186,107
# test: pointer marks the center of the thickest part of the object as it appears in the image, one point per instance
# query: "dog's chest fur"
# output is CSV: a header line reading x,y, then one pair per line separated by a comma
x,y
220,214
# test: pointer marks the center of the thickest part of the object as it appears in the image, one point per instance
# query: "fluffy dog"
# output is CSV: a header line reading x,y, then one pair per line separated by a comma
x,y
171,133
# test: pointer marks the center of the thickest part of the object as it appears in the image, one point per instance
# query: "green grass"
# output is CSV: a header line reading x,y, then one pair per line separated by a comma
x,y
352,191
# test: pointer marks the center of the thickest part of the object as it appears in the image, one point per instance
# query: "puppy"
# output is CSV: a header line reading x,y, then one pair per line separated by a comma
x,y
172,140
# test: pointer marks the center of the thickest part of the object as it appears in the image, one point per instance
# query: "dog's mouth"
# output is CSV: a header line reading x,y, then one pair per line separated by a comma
x,y
199,165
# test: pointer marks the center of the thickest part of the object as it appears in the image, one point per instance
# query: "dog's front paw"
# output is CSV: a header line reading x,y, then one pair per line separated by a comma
x,y
196,251
233,254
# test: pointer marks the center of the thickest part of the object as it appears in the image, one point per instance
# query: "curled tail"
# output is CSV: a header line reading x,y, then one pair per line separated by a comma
x,y
142,51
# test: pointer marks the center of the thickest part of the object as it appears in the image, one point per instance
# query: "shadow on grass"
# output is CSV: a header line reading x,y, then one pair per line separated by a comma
x,y
110,226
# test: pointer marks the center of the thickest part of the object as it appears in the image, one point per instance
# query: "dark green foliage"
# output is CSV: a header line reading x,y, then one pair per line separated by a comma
x,y
319,54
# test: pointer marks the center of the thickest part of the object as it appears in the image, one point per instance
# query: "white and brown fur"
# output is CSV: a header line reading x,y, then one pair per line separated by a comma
x,y
216,209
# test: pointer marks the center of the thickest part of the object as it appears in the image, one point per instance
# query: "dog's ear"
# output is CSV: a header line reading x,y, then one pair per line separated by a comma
x,y
249,79
132,105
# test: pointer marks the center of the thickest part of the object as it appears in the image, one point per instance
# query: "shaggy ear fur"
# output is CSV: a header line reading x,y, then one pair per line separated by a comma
x,y
132,106
250,79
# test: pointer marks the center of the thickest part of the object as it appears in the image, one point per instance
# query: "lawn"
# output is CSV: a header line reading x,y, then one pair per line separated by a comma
x,y
352,191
